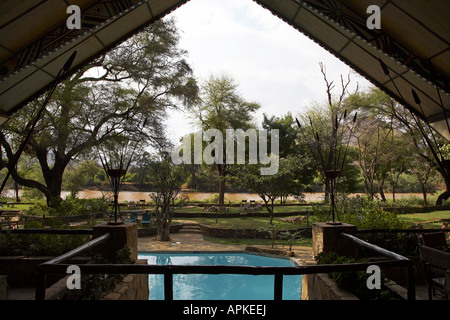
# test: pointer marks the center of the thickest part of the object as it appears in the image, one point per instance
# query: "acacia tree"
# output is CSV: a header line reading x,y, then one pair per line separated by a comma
x,y
287,133
140,79
221,107
371,139
325,132
397,161
294,174
167,179
79,175
411,131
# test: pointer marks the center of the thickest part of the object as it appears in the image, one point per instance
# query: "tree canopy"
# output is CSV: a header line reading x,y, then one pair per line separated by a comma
x,y
116,94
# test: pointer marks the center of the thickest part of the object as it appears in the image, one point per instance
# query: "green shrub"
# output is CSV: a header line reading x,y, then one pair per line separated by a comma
x,y
38,209
214,198
68,207
96,286
354,281
365,213
40,244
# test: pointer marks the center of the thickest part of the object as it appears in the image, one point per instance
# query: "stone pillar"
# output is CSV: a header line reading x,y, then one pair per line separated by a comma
x,y
326,239
122,235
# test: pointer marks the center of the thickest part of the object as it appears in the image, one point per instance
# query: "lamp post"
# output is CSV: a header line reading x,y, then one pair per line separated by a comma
x,y
116,159
115,176
328,158
115,171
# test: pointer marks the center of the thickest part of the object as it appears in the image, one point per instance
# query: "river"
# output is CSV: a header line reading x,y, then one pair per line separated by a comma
x,y
201,196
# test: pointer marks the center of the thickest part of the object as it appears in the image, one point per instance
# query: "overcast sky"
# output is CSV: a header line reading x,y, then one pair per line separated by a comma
x,y
273,63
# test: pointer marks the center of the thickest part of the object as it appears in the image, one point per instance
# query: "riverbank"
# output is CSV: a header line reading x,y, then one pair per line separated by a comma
x,y
203,196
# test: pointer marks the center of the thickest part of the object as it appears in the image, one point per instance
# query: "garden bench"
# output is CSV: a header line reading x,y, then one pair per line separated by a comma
x,y
215,208
132,204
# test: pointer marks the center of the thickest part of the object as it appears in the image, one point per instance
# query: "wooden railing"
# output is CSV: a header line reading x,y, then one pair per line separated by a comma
x,y
400,260
57,265
42,269
169,271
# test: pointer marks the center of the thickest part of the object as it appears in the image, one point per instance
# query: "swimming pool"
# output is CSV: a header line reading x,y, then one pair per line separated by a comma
x,y
222,286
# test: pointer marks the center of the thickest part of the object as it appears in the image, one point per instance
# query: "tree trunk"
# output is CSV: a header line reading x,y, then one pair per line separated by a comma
x,y
424,193
221,192
381,190
446,194
53,180
163,232
222,173
443,196
272,210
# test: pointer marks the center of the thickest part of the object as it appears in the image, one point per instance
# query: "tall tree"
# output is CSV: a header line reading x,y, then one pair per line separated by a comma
x,y
412,131
326,131
293,176
221,107
288,133
140,79
167,179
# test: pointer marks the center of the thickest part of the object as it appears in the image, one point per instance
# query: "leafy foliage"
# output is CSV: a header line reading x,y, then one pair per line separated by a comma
x,y
167,180
96,286
39,244
354,281
68,207
292,176
140,79
365,213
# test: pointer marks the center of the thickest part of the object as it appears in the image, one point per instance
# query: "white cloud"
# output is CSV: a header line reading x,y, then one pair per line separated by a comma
x,y
273,63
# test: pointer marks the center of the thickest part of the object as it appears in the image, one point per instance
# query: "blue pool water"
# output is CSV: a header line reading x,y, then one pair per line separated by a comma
x,y
222,286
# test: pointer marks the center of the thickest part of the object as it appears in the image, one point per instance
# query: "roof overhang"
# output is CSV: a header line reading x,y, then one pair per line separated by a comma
x,y
413,42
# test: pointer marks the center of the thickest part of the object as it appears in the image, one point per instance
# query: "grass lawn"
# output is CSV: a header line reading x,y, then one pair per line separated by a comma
x,y
426,218
242,223
21,207
192,209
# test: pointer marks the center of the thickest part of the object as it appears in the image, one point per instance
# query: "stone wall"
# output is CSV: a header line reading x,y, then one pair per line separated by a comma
x,y
326,239
151,231
132,287
320,287
407,210
121,236
244,233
